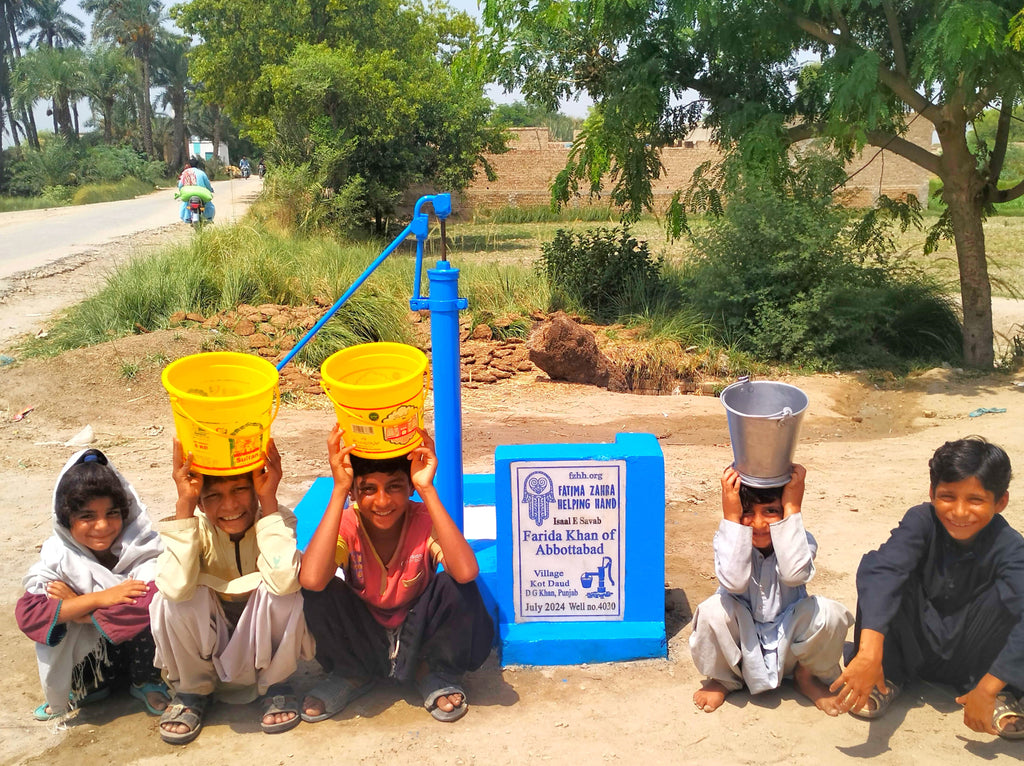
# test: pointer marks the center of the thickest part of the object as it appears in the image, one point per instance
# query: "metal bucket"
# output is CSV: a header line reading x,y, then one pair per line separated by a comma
x,y
764,423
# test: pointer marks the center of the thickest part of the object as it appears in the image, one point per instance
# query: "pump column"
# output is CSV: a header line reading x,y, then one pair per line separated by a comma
x,y
444,304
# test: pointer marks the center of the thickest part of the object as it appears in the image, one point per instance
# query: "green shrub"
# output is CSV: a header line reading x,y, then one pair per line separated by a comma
x,y
126,188
791,275
598,270
57,196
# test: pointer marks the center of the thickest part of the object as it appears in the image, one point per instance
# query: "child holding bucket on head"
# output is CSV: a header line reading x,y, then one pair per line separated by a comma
x,y
228,615
86,601
943,598
761,625
394,615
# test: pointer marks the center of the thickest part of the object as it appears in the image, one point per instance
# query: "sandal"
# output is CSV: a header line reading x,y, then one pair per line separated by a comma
x,y
280,698
435,685
141,692
96,695
335,692
882,702
187,709
1008,707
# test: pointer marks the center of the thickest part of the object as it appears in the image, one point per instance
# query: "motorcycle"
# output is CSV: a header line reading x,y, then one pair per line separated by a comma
x,y
196,210
245,171
261,169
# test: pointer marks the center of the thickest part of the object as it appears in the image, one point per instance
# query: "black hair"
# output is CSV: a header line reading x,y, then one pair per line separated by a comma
x,y
971,456
751,496
210,480
361,466
86,480
195,162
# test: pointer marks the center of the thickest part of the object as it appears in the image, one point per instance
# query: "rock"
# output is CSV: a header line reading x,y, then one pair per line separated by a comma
x,y
269,309
524,366
280,320
266,328
929,413
501,364
212,323
194,317
566,351
258,340
176,318
500,374
485,377
482,332
244,328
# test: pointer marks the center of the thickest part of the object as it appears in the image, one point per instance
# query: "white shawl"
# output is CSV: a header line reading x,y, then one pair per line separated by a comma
x,y
61,558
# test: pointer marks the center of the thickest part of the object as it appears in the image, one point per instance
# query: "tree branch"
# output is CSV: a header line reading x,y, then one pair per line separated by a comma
x,y
906,149
1002,136
1005,195
896,82
899,55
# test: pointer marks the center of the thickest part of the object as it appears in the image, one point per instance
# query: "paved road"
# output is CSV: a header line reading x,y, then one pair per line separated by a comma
x,y
30,239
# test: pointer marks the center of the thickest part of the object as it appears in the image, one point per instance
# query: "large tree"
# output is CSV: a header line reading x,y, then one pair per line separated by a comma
x,y
878,66
133,25
382,90
171,74
49,25
56,75
108,77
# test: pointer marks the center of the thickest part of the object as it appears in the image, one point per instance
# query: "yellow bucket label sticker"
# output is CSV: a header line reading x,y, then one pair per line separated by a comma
x,y
400,425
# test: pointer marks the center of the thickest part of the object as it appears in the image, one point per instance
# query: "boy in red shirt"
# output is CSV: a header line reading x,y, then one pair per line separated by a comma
x,y
394,615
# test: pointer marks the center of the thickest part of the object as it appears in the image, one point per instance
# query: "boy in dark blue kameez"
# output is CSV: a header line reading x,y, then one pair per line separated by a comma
x,y
943,598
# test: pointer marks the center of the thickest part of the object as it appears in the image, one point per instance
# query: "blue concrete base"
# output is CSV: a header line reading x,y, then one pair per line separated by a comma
x,y
540,643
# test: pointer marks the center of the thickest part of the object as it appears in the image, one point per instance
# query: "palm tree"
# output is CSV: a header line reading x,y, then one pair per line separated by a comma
x,y
134,25
171,73
108,74
53,74
11,13
51,26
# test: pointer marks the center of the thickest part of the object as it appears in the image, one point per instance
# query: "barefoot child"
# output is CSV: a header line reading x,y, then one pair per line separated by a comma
x,y
943,598
86,601
393,616
228,617
761,625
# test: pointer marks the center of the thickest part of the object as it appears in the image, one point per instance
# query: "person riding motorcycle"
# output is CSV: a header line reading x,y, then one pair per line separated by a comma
x,y
194,175
244,166
261,168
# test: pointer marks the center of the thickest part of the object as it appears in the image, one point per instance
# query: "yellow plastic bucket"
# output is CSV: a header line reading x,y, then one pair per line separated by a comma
x,y
377,390
223,404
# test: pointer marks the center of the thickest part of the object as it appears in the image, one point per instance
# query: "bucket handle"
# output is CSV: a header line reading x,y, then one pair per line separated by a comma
x,y
197,424
786,414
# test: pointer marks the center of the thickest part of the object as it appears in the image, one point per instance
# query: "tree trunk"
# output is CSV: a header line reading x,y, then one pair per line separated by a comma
x,y
145,113
962,189
108,129
13,122
179,152
216,131
74,111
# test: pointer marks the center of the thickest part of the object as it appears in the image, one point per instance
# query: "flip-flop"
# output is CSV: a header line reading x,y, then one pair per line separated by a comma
x,y
141,692
435,685
187,709
96,695
1007,707
280,698
335,692
882,702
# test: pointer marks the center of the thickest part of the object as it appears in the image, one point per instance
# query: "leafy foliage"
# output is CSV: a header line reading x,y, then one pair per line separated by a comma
x,y
386,92
791,275
596,270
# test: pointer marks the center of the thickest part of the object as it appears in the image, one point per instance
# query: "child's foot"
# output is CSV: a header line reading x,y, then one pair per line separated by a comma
x,y
330,697
280,709
808,685
710,696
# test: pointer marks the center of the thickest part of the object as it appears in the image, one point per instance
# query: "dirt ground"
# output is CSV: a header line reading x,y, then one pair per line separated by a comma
x,y
865,447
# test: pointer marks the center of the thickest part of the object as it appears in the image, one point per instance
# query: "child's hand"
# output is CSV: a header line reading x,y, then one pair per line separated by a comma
x,y
265,480
60,591
859,677
979,705
732,508
189,484
793,492
340,459
123,593
424,463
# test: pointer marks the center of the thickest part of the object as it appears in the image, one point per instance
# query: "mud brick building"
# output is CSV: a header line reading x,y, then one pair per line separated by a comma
x,y
526,171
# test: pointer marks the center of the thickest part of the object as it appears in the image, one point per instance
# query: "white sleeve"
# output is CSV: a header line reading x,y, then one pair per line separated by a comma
x,y
794,550
733,545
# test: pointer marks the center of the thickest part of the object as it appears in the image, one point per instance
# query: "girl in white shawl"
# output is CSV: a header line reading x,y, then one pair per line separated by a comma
x,y
86,601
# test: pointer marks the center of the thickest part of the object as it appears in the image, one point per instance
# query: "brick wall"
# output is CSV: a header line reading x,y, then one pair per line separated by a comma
x,y
526,171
